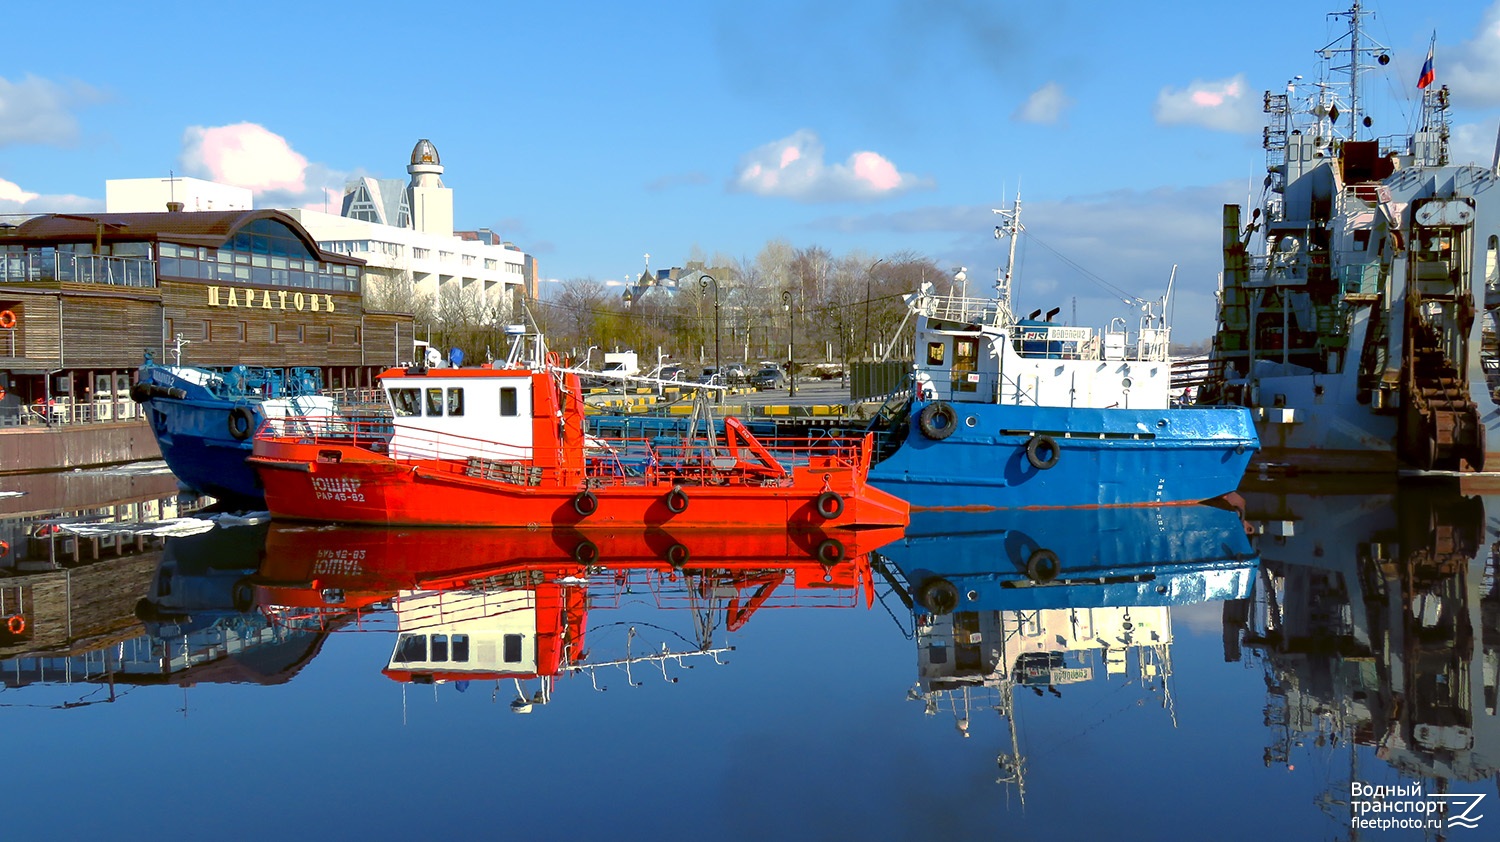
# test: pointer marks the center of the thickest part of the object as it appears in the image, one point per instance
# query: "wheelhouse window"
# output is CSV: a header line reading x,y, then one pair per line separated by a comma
x,y
411,647
512,649
439,647
455,402
934,353
508,401
460,648
434,403
406,403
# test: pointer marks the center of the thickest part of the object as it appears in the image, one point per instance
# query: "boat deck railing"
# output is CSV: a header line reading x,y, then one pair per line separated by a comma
x,y
958,308
610,461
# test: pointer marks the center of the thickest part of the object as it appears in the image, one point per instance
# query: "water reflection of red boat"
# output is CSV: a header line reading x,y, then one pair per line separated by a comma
x,y
513,604
507,447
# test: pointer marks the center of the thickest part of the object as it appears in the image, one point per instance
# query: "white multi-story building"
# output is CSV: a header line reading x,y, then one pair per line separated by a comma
x,y
404,233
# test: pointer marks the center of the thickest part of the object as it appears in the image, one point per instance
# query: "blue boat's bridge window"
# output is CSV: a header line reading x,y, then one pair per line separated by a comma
x,y
965,364
935,353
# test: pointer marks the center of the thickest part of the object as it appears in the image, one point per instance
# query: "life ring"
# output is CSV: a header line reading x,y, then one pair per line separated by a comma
x,y
16,624
1034,450
1043,566
587,552
2,393
4,549
831,551
937,420
677,500
829,505
7,319
678,555
938,595
585,503
241,422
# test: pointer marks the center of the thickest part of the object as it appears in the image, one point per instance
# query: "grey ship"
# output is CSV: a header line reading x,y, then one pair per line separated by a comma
x,y
1357,311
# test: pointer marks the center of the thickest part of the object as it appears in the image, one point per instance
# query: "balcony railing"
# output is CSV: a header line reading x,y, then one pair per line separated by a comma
x,y
47,265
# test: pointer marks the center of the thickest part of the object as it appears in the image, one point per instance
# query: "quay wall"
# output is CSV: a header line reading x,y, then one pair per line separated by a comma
x,y
63,447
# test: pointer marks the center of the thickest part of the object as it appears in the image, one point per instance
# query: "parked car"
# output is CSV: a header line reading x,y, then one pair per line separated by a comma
x,y
769,378
735,373
668,371
710,376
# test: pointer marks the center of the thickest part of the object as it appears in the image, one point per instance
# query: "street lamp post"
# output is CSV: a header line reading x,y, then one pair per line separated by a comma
x,y
791,351
869,273
703,283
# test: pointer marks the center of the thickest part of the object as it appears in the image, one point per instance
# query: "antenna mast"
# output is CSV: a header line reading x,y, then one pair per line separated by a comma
x,y
1011,228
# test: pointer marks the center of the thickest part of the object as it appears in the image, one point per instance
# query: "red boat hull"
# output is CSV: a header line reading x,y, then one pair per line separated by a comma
x,y
328,483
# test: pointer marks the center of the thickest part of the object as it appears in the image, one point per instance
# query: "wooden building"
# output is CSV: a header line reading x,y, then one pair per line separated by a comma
x,y
84,297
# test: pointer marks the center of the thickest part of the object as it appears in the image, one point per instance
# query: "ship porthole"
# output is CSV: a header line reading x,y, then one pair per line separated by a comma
x,y
971,421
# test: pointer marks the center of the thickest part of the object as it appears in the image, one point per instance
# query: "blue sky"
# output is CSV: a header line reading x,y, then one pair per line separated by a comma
x,y
591,134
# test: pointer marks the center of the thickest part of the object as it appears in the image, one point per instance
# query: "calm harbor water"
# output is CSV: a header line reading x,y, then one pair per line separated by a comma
x,y
1143,674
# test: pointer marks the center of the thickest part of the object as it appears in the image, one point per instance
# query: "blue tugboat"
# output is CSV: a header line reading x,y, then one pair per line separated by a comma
x,y
204,419
1004,412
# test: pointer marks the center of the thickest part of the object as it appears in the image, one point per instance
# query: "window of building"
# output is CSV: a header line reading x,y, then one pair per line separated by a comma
x,y
301,333
205,329
271,335
242,332
508,401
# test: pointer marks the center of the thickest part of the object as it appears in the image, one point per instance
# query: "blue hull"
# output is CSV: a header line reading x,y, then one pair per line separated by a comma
x,y
191,421
196,444
1074,558
1104,457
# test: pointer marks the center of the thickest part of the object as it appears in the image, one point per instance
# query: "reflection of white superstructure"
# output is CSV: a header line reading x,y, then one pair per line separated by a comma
x,y
972,660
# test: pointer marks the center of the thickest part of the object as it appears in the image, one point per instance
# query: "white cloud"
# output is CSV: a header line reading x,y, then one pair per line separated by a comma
x,y
36,110
1225,105
1473,74
1473,144
251,156
1045,105
16,199
793,168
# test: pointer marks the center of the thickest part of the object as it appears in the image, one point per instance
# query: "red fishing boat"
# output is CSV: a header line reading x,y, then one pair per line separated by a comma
x,y
508,446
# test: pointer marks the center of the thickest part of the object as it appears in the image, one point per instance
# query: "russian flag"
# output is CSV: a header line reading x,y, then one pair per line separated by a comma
x,y
1428,73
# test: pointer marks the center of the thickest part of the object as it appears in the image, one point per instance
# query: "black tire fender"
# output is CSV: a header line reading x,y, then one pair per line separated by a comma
x,y
829,505
938,596
937,420
677,500
1038,445
585,503
241,423
1043,566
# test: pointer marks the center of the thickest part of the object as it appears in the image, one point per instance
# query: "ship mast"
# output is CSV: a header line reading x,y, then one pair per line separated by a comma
x,y
1011,228
1356,37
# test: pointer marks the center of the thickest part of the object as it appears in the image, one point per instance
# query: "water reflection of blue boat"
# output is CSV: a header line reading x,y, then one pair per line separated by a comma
x,y
1035,601
1057,558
